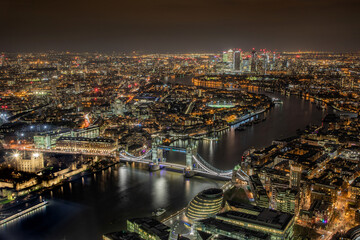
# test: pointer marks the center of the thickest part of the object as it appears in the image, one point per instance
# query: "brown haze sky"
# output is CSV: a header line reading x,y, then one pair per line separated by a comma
x,y
179,26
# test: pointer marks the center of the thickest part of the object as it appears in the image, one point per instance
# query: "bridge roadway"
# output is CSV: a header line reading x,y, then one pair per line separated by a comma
x,y
202,167
148,161
175,166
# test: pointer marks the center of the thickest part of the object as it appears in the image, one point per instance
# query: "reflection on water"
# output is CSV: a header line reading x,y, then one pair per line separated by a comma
x,y
123,177
160,192
102,202
187,187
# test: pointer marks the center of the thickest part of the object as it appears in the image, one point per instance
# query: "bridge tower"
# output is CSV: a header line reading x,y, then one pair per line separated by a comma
x,y
185,145
191,149
156,141
189,154
156,153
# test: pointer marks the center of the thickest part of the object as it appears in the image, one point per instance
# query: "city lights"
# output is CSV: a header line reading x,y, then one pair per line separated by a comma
x,y
263,137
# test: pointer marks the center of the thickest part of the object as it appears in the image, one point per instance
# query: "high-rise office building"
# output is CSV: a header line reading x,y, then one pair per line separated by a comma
x,y
246,66
295,175
225,57
237,61
253,61
272,62
266,62
230,56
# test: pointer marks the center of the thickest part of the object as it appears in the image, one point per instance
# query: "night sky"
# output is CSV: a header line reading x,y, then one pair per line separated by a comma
x,y
179,26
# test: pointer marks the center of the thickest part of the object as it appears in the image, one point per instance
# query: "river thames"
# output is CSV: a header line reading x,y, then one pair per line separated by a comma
x,y
101,202
281,121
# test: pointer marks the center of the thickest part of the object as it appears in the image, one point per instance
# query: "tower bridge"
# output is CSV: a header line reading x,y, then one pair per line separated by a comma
x,y
194,163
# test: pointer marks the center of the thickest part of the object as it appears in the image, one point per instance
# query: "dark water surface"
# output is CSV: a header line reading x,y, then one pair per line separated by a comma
x,y
101,203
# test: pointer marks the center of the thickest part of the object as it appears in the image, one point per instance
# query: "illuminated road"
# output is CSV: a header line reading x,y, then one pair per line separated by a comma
x,y
102,154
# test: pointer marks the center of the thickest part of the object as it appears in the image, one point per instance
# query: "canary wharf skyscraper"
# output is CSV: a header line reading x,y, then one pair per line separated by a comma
x,y
237,61
253,61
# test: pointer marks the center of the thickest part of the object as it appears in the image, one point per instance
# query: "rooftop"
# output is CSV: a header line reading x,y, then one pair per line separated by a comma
x,y
226,227
123,235
84,139
153,226
262,216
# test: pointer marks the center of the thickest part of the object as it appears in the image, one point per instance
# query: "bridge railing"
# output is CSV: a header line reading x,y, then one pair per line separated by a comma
x,y
209,168
204,164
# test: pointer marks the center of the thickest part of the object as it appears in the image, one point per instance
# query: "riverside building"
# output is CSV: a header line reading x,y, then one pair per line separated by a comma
x,y
205,204
278,225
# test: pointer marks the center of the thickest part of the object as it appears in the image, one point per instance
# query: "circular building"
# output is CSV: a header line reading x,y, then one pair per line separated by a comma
x,y
205,204
353,234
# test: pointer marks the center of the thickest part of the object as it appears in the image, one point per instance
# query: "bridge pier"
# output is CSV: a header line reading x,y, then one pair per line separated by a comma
x,y
188,173
154,167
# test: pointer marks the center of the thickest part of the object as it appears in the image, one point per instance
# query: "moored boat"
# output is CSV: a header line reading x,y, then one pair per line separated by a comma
x,y
158,212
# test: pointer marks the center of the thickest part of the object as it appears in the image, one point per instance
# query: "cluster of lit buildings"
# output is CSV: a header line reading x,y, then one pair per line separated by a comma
x,y
100,103
235,61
